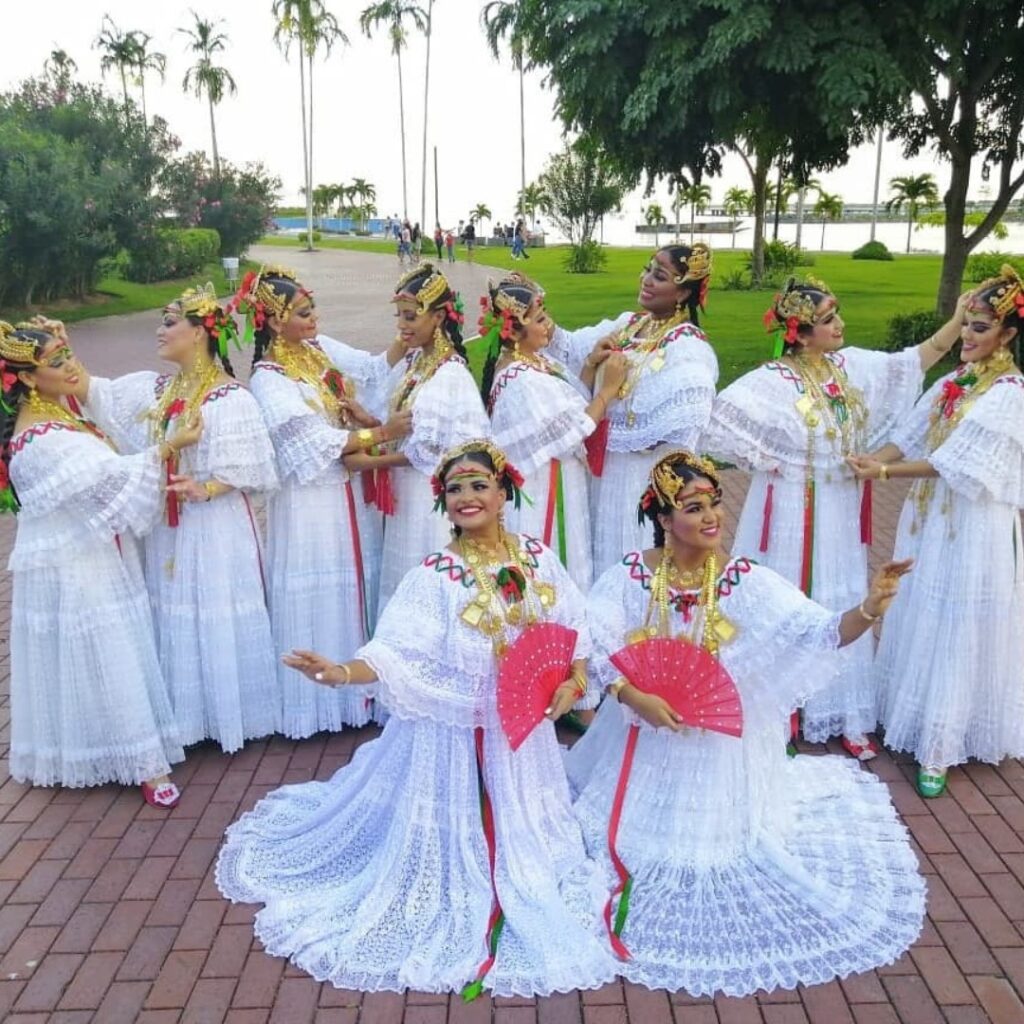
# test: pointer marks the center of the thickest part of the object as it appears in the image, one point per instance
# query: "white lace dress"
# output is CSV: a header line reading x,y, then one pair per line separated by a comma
x,y
540,421
206,576
88,702
756,425
951,659
446,412
669,408
323,551
379,878
750,870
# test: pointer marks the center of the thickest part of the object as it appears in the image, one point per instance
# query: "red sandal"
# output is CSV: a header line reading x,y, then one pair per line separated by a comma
x,y
164,795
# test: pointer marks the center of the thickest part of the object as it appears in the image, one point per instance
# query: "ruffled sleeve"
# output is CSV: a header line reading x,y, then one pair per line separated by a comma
x,y
983,459
120,407
447,411
787,646
304,441
537,417
103,494
890,382
610,611
754,425
910,435
571,348
235,447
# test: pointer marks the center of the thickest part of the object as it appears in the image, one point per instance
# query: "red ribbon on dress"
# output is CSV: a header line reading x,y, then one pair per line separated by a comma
x,y
807,559
369,480
496,920
549,514
357,552
866,514
597,445
625,878
951,393
170,467
384,496
766,521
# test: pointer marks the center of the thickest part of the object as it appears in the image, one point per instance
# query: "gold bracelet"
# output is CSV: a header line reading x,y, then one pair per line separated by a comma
x,y
580,679
348,675
365,438
210,486
865,615
883,472
616,688
933,341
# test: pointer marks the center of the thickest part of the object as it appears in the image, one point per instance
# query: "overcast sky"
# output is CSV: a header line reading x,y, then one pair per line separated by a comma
x,y
473,114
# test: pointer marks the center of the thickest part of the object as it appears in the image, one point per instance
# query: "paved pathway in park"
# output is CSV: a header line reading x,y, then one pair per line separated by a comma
x,y
108,911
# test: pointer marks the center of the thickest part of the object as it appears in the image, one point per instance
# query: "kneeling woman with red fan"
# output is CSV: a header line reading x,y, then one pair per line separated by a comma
x,y
445,856
736,868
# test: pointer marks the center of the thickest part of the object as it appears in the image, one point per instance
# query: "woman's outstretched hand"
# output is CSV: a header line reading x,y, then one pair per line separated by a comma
x,y
316,667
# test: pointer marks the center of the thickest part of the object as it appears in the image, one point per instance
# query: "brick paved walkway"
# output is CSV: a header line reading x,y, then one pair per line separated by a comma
x,y
109,912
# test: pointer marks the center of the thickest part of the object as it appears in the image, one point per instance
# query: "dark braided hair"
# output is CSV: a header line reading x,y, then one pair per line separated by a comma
x,y
281,285
679,255
522,292
18,391
656,508
413,282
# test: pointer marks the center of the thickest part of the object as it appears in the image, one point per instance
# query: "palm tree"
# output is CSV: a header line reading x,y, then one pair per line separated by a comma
x,y
309,24
828,207
738,201
365,193
426,109
205,40
785,189
59,67
480,212
500,19
146,60
120,51
914,192
654,216
394,13
530,200
698,196
801,202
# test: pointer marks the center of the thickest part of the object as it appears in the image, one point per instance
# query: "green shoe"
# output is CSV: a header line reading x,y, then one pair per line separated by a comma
x,y
931,782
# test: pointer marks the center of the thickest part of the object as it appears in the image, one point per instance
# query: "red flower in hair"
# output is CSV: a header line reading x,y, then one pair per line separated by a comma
x,y
1018,301
769,321
247,282
484,302
514,475
792,323
436,486
7,378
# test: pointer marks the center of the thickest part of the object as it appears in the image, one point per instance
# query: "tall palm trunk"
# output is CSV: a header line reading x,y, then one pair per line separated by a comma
x,y
878,181
124,91
142,86
693,217
401,119
213,140
522,132
305,157
309,171
801,197
426,102
911,214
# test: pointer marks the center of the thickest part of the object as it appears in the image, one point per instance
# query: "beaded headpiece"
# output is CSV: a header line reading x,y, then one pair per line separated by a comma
x,y
201,304
257,299
504,471
14,348
1007,295
664,485
698,268
434,288
790,309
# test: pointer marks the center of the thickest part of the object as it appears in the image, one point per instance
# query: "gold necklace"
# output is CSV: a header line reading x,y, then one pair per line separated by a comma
x,y
489,611
308,365
649,349
48,409
182,397
422,369
842,408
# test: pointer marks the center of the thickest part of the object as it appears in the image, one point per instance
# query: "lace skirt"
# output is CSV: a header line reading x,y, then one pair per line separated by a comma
x,y
379,879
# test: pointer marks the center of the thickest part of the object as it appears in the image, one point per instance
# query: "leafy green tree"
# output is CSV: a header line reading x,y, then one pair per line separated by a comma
x,y
394,14
828,207
206,41
964,63
480,213
654,217
120,51
738,201
581,184
666,87
915,192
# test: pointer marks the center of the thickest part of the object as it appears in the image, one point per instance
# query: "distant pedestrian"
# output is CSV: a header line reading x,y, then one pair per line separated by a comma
x,y
449,241
439,241
469,236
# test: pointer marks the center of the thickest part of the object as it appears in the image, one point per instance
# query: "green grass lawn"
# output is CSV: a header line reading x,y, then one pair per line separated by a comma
x,y
869,293
115,296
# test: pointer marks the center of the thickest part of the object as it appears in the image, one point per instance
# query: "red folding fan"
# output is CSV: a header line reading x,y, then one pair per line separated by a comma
x,y
688,678
531,670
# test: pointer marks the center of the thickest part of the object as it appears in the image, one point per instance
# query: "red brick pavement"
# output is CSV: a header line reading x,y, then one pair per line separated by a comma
x,y
108,911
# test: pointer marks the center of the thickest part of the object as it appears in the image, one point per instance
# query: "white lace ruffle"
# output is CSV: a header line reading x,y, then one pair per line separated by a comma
x,y
304,442
571,348
537,417
441,668
74,490
447,411
235,447
984,456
